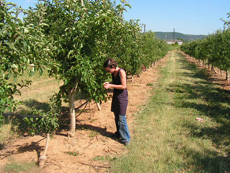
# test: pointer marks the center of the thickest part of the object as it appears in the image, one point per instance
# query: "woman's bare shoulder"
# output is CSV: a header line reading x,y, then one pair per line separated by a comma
x,y
122,72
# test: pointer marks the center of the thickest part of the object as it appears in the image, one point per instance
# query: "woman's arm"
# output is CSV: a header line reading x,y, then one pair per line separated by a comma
x,y
123,82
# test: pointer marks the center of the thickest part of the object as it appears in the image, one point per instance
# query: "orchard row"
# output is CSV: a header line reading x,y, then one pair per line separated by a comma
x,y
213,50
71,39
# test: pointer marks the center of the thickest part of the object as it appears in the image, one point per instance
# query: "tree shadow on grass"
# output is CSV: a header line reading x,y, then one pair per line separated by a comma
x,y
64,119
36,104
18,118
211,101
205,161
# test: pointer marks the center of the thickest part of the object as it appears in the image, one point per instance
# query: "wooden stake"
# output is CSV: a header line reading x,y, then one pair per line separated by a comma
x,y
43,158
227,75
98,106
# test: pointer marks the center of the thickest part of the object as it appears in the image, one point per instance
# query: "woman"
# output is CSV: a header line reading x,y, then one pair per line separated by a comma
x,y
120,98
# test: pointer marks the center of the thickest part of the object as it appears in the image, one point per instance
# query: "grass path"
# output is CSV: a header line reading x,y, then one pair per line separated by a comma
x,y
168,138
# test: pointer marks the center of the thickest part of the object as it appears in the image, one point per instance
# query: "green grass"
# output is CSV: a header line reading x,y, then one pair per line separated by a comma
x,y
104,158
174,47
93,134
34,77
20,167
36,95
167,137
149,84
6,133
72,153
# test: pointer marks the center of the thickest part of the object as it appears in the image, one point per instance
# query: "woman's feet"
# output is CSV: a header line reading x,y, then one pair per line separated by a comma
x,y
126,143
116,135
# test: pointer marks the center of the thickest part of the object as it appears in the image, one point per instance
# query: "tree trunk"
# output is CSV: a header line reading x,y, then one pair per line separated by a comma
x,y
132,78
82,3
227,75
42,159
71,132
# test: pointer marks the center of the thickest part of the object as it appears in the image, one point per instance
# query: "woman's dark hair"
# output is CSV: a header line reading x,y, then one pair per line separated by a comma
x,y
110,63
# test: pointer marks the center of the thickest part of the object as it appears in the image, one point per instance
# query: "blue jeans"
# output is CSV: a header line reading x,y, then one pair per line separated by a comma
x,y
122,127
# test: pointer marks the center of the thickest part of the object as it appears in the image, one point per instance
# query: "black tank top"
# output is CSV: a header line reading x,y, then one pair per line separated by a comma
x,y
120,97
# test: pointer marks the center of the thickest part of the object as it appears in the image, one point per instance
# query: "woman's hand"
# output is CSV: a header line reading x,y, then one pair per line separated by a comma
x,y
107,85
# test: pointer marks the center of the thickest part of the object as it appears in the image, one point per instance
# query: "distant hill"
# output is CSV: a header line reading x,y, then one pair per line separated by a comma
x,y
185,37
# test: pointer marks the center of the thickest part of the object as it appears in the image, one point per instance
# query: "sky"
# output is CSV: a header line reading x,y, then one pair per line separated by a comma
x,y
186,16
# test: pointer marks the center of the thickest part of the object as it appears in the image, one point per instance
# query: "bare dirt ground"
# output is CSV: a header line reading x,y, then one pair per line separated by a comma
x,y
215,76
92,148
